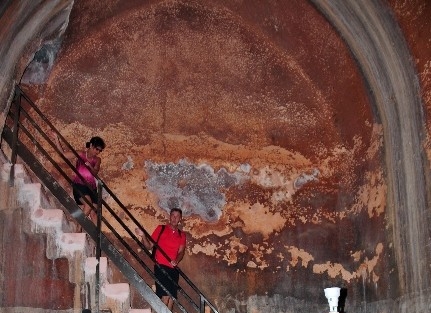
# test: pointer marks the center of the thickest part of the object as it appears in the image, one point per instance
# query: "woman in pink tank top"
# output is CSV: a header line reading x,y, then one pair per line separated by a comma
x,y
87,165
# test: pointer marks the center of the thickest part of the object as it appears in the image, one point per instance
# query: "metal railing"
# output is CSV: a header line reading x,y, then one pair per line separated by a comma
x,y
26,131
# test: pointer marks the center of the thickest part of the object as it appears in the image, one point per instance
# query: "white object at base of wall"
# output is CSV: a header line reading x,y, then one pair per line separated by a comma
x,y
332,294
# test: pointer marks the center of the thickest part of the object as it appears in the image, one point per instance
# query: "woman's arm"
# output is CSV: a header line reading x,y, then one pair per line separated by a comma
x,y
96,168
68,154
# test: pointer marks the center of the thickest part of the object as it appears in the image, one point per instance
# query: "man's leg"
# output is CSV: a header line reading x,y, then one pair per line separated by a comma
x,y
168,302
165,300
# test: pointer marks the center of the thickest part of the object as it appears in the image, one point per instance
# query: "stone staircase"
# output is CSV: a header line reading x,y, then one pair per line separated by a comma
x,y
64,242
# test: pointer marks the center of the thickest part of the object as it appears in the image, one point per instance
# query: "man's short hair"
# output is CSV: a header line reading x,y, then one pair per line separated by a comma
x,y
177,210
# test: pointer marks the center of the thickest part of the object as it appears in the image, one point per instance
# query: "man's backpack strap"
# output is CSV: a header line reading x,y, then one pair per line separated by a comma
x,y
153,251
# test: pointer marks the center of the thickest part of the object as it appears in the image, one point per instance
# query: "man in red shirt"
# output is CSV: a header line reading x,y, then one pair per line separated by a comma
x,y
173,242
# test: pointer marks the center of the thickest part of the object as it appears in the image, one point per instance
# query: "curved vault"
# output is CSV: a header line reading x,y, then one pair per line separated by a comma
x,y
259,94
202,83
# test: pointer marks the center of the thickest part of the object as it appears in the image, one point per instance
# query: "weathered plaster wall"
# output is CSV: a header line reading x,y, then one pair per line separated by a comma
x,y
228,115
27,277
256,120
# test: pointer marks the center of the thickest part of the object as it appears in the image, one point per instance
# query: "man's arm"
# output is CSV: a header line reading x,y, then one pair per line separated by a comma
x,y
180,255
147,243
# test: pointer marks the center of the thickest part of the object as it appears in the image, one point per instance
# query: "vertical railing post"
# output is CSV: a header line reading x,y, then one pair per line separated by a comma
x,y
98,241
17,103
202,306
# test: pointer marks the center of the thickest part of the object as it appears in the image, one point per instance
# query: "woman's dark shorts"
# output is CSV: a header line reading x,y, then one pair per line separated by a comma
x,y
166,281
80,191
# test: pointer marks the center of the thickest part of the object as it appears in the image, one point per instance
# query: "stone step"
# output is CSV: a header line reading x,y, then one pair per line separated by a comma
x,y
113,297
116,297
20,174
73,246
8,199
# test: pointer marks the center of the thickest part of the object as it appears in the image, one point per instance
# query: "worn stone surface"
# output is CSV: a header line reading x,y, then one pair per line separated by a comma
x,y
255,119
415,21
27,277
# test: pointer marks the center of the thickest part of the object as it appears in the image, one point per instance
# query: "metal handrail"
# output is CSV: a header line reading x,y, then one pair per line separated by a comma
x,y
102,243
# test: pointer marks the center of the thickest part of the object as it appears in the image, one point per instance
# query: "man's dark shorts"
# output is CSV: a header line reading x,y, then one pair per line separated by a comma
x,y
166,281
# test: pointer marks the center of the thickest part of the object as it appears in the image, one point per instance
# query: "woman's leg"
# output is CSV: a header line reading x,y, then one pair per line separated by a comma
x,y
93,216
88,211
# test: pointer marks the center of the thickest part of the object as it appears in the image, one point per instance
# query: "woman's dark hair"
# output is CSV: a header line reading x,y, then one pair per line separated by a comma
x,y
96,142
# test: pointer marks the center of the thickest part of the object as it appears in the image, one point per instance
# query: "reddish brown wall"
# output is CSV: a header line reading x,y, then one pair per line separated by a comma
x,y
240,100
217,85
28,278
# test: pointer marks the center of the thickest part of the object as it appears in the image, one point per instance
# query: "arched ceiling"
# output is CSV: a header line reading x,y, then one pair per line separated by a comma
x,y
222,73
274,97
294,116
